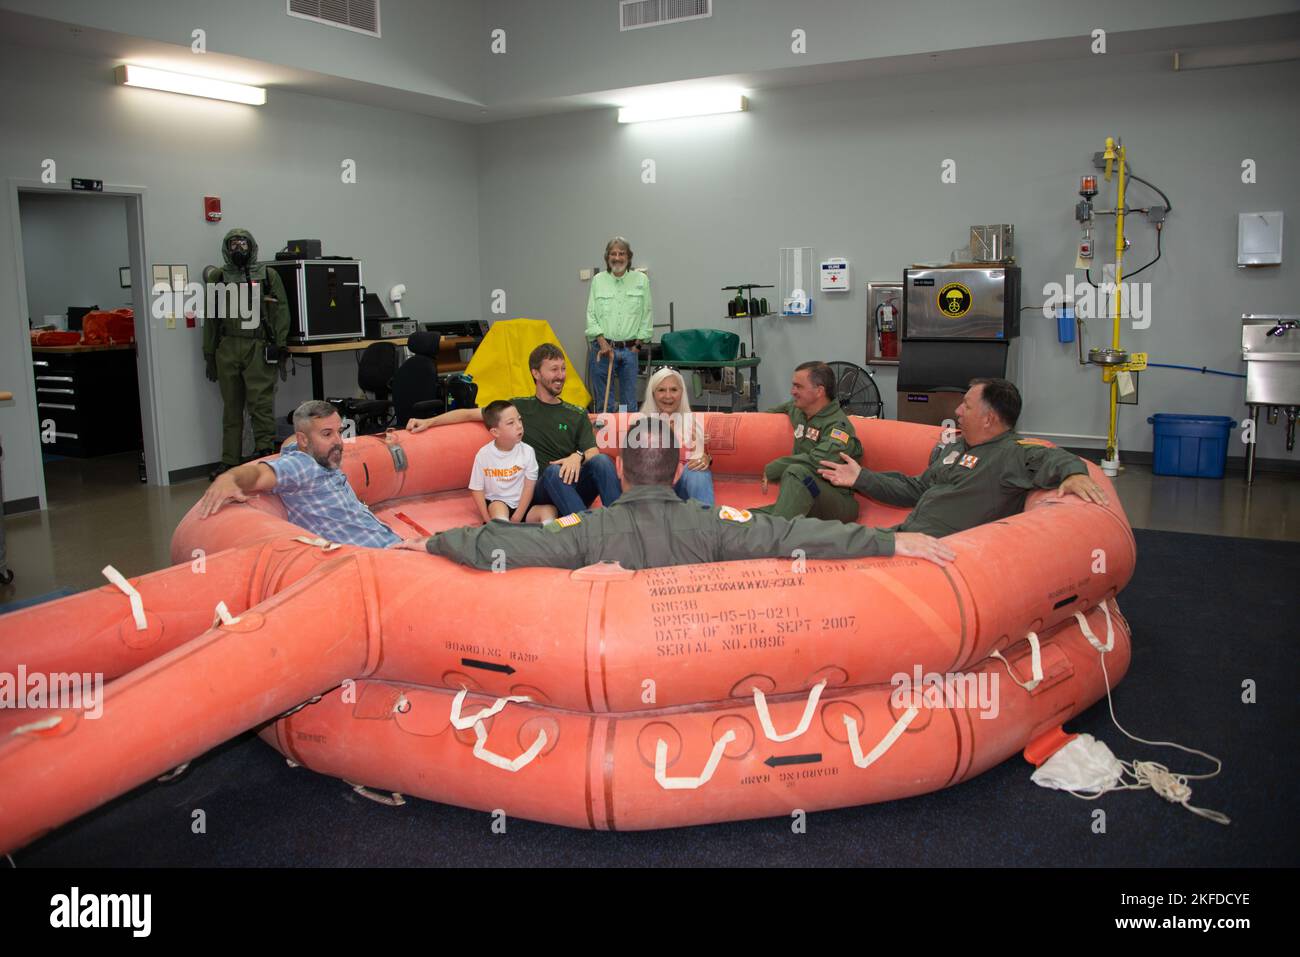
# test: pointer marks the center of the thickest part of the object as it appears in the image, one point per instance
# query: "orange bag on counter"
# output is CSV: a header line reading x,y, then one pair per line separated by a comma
x,y
101,328
56,338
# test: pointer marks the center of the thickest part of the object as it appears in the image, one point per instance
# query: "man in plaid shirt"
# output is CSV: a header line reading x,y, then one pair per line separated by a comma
x,y
316,495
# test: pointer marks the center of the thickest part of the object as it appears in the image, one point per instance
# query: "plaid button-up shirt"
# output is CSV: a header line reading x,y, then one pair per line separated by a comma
x,y
321,501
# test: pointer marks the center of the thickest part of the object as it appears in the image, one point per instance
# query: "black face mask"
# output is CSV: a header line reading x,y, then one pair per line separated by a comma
x,y
239,249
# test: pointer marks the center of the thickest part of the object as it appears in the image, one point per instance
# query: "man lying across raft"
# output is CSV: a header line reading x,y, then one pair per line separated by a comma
x,y
307,478
980,476
649,526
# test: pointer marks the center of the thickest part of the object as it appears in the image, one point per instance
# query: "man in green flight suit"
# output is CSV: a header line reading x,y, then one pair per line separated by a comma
x,y
821,430
649,527
243,351
980,476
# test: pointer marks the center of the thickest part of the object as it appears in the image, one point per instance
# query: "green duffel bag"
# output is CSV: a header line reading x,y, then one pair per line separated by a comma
x,y
701,345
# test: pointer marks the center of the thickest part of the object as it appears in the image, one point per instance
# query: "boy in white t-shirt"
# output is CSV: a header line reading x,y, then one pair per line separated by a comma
x,y
505,470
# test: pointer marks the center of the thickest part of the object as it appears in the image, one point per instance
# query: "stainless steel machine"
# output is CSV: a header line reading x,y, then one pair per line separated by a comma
x,y
958,323
1270,347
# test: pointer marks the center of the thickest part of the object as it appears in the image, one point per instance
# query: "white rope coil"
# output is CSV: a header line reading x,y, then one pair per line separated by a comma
x,y
1149,775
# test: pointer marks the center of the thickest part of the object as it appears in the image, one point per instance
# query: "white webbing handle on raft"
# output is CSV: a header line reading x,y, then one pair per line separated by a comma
x,y
506,764
1092,639
887,742
324,544
137,603
679,784
224,616
462,724
765,719
1035,664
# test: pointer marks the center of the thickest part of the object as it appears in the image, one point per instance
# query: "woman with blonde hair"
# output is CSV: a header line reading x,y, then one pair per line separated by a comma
x,y
665,395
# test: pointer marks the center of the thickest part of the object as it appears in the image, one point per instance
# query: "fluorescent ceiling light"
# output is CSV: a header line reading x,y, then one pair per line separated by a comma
x,y
143,76
1211,57
671,107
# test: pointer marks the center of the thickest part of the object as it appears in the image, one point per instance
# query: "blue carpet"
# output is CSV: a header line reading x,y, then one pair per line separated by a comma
x,y
1207,614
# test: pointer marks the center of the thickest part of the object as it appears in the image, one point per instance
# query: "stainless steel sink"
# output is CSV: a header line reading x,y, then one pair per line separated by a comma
x,y
1270,346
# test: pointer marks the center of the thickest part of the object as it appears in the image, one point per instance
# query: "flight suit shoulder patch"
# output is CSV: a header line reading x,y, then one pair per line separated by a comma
x,y
735,514
839,435
563,522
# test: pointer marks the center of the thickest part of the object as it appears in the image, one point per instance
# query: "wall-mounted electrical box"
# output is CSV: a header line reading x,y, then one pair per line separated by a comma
x,y
1259,238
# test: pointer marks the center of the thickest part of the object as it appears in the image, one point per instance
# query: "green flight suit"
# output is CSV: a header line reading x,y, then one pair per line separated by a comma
x,y
966,486
243,374
802,491
649,527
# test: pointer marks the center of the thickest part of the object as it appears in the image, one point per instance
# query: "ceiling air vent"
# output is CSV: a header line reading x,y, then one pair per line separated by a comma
x,y
361,16
634,14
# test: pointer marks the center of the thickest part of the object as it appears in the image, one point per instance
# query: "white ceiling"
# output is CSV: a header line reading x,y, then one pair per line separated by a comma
x,y
115,48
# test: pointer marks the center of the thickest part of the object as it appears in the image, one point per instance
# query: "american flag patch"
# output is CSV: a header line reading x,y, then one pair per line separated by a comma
x,y
839,435
968,461
568,521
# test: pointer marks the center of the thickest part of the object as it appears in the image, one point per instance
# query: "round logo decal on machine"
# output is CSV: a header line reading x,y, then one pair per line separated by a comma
x,y
954,300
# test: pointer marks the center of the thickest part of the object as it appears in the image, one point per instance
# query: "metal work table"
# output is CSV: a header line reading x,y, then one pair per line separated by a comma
x,y
739,401
314,351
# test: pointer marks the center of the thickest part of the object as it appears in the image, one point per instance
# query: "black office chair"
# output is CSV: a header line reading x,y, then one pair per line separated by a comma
x,y
375,373
417,391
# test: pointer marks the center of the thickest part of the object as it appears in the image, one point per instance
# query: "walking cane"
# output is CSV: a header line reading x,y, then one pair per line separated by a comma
x,y
609,379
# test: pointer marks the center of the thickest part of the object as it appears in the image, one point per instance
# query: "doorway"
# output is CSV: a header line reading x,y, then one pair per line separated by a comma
x,y
81,269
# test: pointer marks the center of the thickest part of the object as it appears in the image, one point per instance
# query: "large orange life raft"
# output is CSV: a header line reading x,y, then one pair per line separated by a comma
x,y
599,698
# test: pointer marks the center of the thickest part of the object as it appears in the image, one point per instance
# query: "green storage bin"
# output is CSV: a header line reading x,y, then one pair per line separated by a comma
x,y
701,345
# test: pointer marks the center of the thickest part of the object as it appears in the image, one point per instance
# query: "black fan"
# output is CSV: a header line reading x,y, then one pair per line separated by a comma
x,y
855,388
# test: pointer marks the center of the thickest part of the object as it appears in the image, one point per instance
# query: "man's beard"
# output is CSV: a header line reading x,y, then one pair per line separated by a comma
x,y
554,387
324,460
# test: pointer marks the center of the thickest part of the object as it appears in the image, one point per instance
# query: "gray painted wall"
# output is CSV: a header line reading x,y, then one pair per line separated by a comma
x,y
411,216
559,49
73,246
853,170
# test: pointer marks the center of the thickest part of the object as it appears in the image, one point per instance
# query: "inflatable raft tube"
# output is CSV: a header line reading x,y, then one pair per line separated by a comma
x,y
590,640
720,762
387,615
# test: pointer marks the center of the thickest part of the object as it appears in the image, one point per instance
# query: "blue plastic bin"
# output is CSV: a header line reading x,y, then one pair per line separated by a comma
x,y
1195,446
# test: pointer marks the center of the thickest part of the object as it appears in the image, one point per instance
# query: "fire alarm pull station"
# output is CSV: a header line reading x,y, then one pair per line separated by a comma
x,y
212,208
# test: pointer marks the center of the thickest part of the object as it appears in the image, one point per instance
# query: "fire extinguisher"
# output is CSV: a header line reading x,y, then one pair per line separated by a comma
x,y
887,329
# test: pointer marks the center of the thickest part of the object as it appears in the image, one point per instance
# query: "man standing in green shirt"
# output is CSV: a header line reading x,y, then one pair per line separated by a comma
x,y
821,430
572,469
651,527
980,476
619,321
